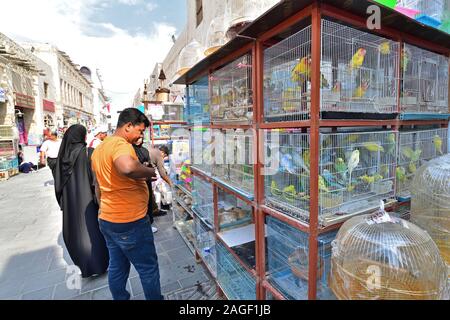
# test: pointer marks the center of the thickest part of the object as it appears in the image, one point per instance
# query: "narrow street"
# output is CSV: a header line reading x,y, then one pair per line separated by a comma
x,y
34,262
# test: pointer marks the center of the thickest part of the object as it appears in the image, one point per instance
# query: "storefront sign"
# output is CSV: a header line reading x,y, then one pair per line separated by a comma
x,y
48,105
2,95
24,101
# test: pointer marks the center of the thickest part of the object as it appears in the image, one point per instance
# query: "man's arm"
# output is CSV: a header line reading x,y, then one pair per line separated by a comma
x,y
162,170
43,151
132,168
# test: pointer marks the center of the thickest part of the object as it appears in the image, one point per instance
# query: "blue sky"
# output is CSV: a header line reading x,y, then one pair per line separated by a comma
x,y
124,39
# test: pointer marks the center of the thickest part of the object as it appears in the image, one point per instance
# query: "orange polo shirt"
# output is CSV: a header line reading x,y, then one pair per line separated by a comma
x,y
123,199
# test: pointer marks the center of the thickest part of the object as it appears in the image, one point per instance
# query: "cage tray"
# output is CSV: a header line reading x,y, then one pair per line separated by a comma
x,y
336,115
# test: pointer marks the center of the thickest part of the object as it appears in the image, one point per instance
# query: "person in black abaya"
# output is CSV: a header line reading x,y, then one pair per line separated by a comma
x,y
76,198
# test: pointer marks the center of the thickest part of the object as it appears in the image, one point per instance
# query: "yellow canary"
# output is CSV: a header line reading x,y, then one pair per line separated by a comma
x,y
302,70
373,147
385,48
357,59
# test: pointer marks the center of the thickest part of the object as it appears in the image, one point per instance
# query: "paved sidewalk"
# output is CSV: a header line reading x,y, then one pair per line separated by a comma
x,y
34,261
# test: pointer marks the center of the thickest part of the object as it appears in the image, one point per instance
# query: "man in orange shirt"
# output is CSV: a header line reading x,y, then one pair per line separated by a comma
x,y
122,192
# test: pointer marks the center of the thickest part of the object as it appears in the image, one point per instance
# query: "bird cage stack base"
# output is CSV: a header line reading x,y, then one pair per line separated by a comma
x,y
415,149
231,98
234,279
197,104
356,170
202,196
287,76
205,243
359,73
234,161
425,81
287,261
430,203
379,257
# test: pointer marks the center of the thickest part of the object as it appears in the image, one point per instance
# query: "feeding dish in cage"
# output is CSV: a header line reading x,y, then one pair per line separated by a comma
x,y
215,37
381,257
298,261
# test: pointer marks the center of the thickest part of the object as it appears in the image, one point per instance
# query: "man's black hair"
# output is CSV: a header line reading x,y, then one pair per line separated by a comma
x,y
134,116
164,149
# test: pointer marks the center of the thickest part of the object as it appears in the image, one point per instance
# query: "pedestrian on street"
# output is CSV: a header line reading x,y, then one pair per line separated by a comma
x,y
76,198
121,186
144,158
100,133
50,150
157,156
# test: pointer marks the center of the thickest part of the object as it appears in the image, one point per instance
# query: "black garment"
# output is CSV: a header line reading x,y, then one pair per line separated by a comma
x,y
75,195
51,162
144,157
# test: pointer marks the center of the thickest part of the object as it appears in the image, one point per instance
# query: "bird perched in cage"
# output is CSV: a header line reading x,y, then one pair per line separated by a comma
x,y
341,168
390,143
373,147
322,184
400,174
287,164
274,189
299,162
385,47
351,138
360,92
437,141
357,59
324,82
413,156
302,70
371,179
330,179
405,56
306,158
289,193
352,164
384,170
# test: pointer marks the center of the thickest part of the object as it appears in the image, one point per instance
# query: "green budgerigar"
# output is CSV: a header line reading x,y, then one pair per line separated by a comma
x,y
391,143
373,147
400,174
322,185
340,167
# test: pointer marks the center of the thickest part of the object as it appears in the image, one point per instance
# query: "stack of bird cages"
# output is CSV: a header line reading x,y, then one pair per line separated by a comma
x,y
287,77
356,171
197,105
234,160
425,81
202,196
202,149
416,148
205,243
359,72
233,212
288,261
231,92
234,279
173,112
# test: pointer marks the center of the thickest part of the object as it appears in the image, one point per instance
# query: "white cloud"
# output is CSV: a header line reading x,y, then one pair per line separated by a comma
x,y
151,6
124,60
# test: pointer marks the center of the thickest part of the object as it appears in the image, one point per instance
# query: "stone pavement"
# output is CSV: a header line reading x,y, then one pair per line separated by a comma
x,y
34,262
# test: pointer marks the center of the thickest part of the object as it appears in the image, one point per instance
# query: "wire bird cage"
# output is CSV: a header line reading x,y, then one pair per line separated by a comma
x,y
430,205
425,81
287,76
234,279
6,132
378,257
231,92
202,196
205,243
415,149
233,212
239,14
359,71
356,170
192,53
234,160
9,148
197,102
202,149
216,35
287,261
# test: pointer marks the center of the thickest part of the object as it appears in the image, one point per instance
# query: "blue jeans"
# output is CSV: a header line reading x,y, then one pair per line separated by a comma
x,y
131,242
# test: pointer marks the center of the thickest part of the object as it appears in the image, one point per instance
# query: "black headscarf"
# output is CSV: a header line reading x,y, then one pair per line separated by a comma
x,y
73,143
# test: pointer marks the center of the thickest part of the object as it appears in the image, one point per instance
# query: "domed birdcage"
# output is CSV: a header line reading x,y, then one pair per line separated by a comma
x,y
379,257
189,56
216,35
239,14
430,201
